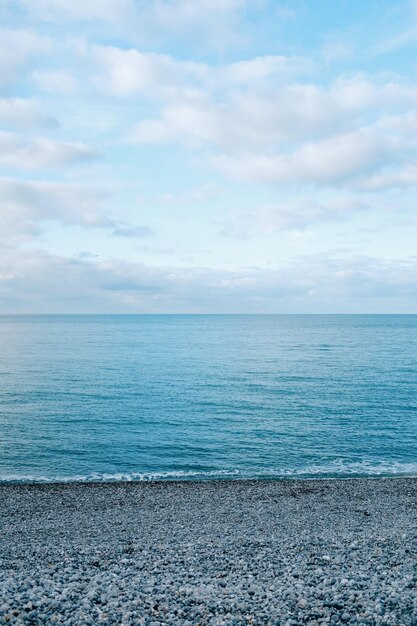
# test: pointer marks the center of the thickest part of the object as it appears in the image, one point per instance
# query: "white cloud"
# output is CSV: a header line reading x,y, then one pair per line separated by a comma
x,y
329,161
267,116
39,152
405,124
122,229
399,40
194,123
162,76
168,13
283,132
59,81
197,195
126,72
36,282
26,205
79,10
213,22
389,179
291,214
23,114
260,69
18,50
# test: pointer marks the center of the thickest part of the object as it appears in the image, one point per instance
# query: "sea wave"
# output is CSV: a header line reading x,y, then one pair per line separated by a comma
x,y
336,469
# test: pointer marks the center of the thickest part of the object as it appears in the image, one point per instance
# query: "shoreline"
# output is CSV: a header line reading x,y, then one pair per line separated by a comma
x,y
235,552
97,481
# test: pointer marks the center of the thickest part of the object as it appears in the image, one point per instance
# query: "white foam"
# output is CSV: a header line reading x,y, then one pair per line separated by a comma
x,y
339,468
342,468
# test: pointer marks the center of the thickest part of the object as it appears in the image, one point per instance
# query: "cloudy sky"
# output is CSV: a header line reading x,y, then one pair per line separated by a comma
x,y
208,156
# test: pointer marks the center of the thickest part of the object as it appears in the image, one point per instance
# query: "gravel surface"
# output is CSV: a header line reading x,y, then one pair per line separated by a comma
x,y
195,553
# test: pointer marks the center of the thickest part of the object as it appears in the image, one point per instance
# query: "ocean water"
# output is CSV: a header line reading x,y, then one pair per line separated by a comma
x,y
131,397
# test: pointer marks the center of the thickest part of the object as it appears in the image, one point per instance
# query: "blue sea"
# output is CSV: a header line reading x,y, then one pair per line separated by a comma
x,y
139,397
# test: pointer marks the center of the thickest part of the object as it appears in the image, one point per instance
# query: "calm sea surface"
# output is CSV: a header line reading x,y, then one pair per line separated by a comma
x,y
194,396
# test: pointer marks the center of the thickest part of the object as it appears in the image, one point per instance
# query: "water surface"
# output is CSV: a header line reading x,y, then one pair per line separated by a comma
x,y
201,396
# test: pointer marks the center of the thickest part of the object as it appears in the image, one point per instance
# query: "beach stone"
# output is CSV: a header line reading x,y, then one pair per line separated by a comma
x,y
233,553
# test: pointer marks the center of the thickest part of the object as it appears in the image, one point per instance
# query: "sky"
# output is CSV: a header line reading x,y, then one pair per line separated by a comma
x,y
208,156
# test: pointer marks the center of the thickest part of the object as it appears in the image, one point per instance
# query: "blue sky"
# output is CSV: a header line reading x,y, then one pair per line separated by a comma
x,y
208,156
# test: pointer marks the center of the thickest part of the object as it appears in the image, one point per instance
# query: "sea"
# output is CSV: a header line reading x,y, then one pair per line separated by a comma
x,y
196,397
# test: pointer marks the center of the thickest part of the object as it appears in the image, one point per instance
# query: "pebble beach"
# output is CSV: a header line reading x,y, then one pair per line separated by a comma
x,y
210,552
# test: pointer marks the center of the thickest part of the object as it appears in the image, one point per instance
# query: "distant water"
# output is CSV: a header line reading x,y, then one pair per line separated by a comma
x,y
201,396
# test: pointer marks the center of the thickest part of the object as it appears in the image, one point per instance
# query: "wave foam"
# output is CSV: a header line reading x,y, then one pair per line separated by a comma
x,y
335,469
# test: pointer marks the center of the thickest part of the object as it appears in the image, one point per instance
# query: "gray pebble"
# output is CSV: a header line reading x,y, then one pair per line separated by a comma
x,y
209,553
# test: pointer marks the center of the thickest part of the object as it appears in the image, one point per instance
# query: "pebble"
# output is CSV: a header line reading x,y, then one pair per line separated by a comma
x,y
209,553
